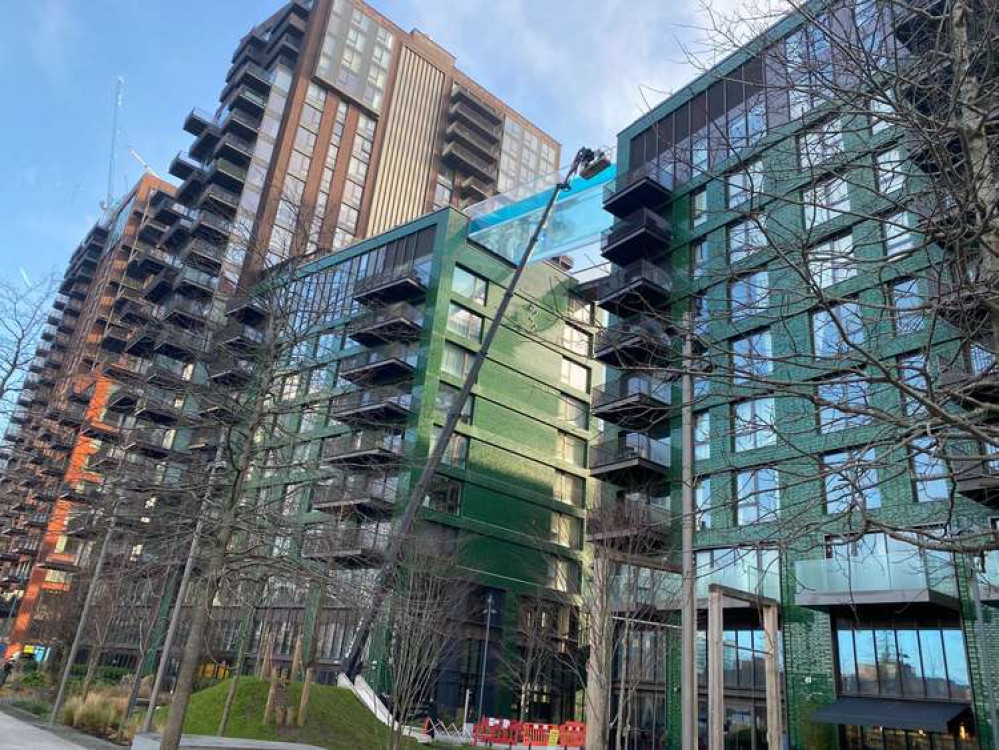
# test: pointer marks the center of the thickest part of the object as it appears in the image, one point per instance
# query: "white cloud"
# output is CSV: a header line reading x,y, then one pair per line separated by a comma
x,y
581,70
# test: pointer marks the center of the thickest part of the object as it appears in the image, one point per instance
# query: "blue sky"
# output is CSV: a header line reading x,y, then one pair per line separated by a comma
x,y
581,75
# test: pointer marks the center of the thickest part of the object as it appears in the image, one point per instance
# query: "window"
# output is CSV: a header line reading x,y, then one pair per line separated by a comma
x,y
890,174
469,285
457,360
463,322
843,403
749,295
911,659
447,395
745,238
700,256
912,374
575,340
561,574
745,183
851,481
825,201
571,449
898,239
752,356
836,330
569,488
881,113
832,262
563,530
756,496
907,306
579,310
575,375
573,411
444,496
456,453
929,469
698,207
702,503
754,424
820,144
702,436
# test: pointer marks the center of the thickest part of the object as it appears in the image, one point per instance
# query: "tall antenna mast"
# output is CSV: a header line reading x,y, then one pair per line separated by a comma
x,y
112,162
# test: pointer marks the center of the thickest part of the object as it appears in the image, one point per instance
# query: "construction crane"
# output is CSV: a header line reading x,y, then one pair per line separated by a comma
x,y
145,165
119,91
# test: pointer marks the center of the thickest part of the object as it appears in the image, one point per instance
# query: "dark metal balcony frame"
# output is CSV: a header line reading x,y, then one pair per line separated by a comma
x,y
372,406
646,343
630,459
406,282
648,186
399,321
389,363
633,401
642,234
640,286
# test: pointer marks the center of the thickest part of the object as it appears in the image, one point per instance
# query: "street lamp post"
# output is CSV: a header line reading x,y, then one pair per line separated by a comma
x,y
485,654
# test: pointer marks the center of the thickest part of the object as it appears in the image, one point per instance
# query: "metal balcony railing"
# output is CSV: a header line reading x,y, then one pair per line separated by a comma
x,y
628,447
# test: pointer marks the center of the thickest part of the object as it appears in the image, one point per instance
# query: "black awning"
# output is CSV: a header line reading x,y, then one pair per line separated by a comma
x,y
930,716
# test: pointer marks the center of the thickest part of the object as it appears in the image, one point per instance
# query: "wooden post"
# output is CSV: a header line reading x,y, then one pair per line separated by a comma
x,y
296,659
775,724
268,665
716,673
303,702
271,697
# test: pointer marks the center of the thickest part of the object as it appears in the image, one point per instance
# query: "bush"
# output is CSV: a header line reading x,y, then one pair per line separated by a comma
x,y
35,680
32,706
99,714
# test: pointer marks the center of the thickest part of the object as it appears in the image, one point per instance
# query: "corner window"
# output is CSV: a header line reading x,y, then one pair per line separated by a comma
x,y
463,322
469,285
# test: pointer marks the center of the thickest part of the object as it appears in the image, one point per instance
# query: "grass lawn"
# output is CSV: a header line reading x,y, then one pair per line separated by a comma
x,y
335,718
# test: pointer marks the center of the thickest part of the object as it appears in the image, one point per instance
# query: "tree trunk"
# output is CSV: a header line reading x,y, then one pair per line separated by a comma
x,y
245,628
597,666
92,659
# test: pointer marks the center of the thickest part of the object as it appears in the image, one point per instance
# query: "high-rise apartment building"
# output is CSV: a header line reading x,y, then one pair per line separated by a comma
x,y
790,202
334,124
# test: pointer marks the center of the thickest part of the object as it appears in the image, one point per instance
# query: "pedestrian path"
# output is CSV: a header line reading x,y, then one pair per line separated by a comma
x,y
20,735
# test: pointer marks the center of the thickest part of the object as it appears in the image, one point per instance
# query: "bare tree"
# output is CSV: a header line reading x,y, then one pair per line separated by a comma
x,y
24,310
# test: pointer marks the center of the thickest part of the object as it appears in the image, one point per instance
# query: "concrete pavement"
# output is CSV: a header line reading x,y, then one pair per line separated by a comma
x,y
20,735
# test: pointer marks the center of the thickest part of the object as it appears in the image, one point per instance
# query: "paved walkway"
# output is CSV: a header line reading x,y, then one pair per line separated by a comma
x,y
20,735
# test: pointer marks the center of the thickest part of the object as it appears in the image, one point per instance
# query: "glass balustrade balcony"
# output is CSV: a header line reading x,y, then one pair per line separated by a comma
x,y
633,402
641,235
630,459
883,578
400,283
648,186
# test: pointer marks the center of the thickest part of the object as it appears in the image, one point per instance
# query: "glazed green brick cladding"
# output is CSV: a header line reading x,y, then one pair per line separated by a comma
x,y
508,480
808,649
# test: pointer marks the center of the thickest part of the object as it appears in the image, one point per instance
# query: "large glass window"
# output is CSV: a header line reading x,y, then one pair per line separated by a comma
x,y
902,659
843,403
698,207
457,360
569,488
700,256
757,496
744,238
752,356
573,411
907,305
825,201
702,436
819,144
743,184
832,261
929,469
754,424
575,375
851,480
575,340
571,449
897,234
469,285
464,322
749,295
891,176
702,503
836,330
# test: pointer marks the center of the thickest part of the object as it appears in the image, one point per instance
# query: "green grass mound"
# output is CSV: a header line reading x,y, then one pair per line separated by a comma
x,y
336,719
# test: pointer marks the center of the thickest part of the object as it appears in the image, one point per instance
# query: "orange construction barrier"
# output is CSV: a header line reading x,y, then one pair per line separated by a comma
x,y
536,735
491,731
572,734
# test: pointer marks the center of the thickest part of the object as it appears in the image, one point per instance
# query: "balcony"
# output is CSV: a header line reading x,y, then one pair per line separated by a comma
x,y
197,121
179,344
988,577
396,322
220,200
647,187
235,148
486,146
397,284
380,365
245,99
205,141
902,577
630,459
249,74
364,447
372,406
153,442
201,252
159,405
149,259
626,345
72,414
473,189
370,491
126,367
977,476
227,174
114,338
971,377
183,166
230,370
81,492
166,370
635,519
633,401
123,398
157,286
362,545
206,440
636,288
643,234
213,227
469,109
241,124
467,161
241,337
186,312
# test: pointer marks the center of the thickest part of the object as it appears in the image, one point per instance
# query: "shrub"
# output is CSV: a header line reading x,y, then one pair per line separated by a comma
x,y
32,706
70,710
